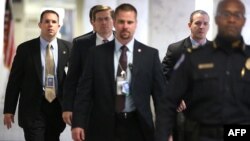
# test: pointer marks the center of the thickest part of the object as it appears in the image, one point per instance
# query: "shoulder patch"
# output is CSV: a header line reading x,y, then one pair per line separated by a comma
x,y
194,48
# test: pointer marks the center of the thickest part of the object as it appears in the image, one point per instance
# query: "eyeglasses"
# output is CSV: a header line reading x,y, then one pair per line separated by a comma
x,y
228,15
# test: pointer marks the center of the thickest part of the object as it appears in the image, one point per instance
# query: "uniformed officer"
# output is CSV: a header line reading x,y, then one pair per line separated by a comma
x,y
213,80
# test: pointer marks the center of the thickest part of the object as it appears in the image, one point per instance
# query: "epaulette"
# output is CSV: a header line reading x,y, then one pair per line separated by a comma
x,y
193,48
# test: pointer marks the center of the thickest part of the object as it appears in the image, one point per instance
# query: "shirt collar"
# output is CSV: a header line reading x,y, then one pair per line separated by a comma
x,y
196,44
110,38
129,45
44,43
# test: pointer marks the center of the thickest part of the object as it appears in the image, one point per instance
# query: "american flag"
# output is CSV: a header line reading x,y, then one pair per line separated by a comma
x,y
9,47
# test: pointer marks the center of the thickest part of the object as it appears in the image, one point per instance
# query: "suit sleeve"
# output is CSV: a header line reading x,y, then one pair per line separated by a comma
x,y
83,99
15,81
73,75
177,88
158,92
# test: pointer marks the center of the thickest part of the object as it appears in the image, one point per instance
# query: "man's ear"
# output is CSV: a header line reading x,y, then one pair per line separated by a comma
x,y
39,25
189,24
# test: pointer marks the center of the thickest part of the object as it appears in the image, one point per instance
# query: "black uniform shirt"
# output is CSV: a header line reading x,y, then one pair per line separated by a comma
x,y
215,83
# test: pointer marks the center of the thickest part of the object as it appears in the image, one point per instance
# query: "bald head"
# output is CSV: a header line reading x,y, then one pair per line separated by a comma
x,y
224,3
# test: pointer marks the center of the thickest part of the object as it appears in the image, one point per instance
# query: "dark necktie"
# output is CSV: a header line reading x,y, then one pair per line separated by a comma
x,y
122,61
104,41
50,93
121,72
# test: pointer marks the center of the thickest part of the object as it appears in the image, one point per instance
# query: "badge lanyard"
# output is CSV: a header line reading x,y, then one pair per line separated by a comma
x,y
122,81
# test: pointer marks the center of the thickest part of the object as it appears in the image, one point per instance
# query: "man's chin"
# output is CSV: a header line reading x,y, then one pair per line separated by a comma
x,y
51,34
232,37
125,36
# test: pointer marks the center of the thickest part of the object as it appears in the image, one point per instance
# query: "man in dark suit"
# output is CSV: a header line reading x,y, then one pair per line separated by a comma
x,y
102,21
31,81
113,97
198,25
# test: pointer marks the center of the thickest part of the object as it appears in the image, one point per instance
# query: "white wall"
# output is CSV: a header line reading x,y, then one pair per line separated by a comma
x,y
246,29
168,22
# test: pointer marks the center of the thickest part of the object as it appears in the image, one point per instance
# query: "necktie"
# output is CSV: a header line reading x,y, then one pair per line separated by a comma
x,y
121,71
50,93
105,41
123,59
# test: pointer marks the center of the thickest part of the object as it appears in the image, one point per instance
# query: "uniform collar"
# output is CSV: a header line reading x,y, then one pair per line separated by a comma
x,y
229,46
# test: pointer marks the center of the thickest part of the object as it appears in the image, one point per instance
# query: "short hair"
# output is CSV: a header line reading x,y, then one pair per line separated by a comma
x,y
100,8
222,3
202,12
91,11
48,11
125,7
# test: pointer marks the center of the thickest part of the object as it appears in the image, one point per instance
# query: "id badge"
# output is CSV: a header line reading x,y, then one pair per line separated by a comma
x,y
50,81
66,70
122,87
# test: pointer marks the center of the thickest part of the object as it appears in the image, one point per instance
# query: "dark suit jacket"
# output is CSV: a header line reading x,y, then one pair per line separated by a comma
x,y
78,57
173,54
86,34
26,82
79,53
97,86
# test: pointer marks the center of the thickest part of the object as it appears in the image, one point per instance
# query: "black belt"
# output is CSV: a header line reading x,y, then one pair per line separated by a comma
x,y
125,115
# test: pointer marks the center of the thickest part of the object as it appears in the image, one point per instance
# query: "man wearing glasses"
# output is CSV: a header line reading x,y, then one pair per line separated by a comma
x,y
214,80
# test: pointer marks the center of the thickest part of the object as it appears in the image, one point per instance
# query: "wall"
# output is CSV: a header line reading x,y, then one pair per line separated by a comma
x,y
168,22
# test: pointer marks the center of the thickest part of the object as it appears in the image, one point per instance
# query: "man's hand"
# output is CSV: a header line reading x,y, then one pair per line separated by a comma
x,y
78,134
182,106
8,120
170,138
67,117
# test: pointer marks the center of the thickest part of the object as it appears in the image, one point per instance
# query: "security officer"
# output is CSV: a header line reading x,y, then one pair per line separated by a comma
x,y
199,26
213,80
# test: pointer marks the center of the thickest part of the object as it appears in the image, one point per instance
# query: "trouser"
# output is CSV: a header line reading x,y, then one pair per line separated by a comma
x,y
178,131
194,131
128,127
48,124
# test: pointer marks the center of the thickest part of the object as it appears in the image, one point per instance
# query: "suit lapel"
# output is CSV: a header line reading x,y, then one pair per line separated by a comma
x,y
187,43
93,39
62,59
108,60
37,59
137,58
111,65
